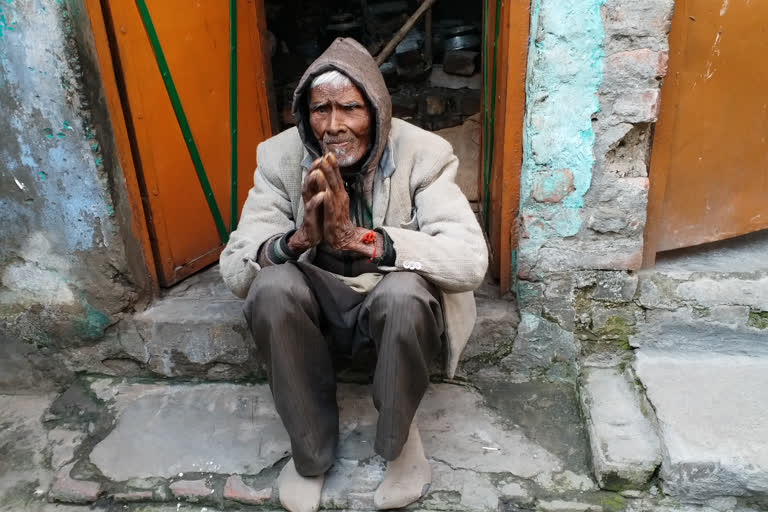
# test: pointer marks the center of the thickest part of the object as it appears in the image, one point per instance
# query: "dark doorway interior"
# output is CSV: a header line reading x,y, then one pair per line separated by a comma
x,y
434,86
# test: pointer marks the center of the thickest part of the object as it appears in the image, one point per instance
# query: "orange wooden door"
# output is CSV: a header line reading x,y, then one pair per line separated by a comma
x,y
194,36
709,166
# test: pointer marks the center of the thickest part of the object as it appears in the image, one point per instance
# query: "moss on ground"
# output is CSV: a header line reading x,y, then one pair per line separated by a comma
x,y
758,319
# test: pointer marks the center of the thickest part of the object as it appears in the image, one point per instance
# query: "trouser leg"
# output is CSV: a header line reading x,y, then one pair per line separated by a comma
x,y
403,317
284,318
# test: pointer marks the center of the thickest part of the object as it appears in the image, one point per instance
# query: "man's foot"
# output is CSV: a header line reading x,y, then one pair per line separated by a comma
x,y
407,478
299,493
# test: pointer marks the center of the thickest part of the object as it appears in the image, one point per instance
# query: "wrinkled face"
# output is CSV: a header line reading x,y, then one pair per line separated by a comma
x,y
340,121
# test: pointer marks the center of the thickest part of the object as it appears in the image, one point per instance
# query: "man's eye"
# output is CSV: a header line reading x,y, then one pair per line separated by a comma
x,y
350,108
320,110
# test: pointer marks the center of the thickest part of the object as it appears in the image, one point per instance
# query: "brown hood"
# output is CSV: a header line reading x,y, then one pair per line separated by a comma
x,y
351,58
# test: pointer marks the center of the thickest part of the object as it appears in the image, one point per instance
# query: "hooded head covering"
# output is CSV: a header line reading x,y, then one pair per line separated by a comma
x,y
350,58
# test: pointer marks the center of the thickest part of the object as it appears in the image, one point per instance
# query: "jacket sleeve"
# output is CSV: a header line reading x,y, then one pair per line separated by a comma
x,y
446,245
267,212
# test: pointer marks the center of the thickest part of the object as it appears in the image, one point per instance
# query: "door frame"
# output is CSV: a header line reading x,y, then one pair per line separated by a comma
x,y
507,140
138,222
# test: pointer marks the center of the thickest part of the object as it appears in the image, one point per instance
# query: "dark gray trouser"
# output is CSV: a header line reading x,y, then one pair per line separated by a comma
x,y
292,307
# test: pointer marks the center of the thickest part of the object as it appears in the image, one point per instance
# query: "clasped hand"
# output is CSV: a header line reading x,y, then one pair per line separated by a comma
x,y
326,210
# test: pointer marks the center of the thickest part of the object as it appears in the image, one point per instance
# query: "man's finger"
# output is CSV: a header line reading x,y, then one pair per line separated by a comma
x,y
313,183
316,201
315,164
331,173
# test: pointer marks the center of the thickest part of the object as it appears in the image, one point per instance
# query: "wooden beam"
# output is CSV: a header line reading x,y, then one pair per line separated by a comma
x,y
400,34
138,220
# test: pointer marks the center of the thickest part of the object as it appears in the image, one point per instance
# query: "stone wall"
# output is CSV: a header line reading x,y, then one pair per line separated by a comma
x,y
69,265
592,97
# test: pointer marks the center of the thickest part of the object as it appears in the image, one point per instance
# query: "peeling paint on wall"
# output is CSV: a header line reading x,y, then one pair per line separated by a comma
x,y
565,65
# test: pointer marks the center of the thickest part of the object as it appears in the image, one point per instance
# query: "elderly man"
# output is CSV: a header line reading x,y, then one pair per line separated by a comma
x,y
354,236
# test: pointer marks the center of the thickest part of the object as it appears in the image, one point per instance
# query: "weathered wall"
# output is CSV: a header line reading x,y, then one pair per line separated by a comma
x,y
594,73
68,263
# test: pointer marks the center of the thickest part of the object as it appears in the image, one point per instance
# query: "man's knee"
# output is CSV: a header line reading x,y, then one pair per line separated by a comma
x,y
276,288
402,289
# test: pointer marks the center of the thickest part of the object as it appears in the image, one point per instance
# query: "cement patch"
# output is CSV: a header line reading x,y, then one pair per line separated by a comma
x,y
164,430
713,417
24,477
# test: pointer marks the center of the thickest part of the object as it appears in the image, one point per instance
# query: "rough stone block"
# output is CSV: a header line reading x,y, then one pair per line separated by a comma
x,y
712,411
633,69
237,490
656,292
608,219
638,107
629,25
627,156
603,318
602,254
552,186
191,490
615,286
494,330
539,345
66,489
460,62
186,334
625,446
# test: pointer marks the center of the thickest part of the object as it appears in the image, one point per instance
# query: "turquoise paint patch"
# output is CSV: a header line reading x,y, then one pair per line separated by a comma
x,y
110,210
565,63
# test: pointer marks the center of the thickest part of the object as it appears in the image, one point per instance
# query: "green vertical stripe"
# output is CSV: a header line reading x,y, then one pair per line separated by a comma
x,y
233,113
173,95
489,140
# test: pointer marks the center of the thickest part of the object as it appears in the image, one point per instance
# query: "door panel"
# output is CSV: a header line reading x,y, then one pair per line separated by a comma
x,y
709,167
194,36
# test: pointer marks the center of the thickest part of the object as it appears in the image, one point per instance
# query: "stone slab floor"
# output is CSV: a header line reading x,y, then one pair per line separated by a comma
x,y
139,445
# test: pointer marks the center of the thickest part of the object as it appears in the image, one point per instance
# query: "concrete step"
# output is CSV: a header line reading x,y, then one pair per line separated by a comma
x,y
622,432
221,445
712,414
703,311
197,329
705,299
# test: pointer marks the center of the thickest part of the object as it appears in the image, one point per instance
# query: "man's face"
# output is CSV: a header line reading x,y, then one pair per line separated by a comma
x,y
340,121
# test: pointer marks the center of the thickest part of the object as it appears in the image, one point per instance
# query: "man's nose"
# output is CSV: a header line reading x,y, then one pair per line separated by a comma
x,y
336,123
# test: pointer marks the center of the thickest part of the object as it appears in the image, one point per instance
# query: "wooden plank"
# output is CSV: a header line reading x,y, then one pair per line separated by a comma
x,y
711,151
138,222
661,154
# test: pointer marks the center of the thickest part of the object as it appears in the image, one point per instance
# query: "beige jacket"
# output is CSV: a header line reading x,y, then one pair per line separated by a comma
x,y
415,200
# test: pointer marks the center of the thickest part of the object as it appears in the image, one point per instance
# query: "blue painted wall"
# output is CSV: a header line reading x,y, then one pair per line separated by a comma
x,y
65,273
565,63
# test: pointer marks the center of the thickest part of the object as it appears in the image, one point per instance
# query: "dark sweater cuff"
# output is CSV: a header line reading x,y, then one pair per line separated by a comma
x,y
279,252
388,254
